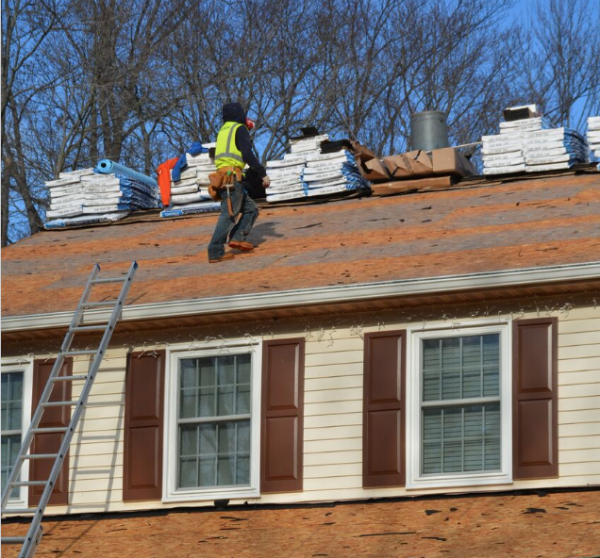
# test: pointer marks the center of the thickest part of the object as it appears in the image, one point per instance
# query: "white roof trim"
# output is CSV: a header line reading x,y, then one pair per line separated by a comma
x,y
318,295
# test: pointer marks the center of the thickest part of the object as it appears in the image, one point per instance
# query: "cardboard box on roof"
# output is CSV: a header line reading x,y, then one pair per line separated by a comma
x,y
374,170
364,152
411,164
363,155
450,161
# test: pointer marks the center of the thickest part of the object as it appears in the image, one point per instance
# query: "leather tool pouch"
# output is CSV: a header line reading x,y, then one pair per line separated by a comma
x,y
221,179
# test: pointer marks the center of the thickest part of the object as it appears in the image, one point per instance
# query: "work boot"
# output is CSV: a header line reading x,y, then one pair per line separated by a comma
x,y
241,245
226,256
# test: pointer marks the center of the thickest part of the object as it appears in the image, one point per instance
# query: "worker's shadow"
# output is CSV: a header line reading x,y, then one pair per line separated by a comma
x,y
262,232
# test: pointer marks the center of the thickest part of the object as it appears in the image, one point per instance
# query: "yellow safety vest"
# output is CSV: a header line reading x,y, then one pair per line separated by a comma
x,y
226,153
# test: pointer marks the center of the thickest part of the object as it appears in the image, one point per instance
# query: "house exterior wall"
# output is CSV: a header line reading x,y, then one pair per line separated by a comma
x,y
333,410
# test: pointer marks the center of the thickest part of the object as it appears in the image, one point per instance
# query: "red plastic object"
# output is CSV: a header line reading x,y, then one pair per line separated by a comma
x,y
249,124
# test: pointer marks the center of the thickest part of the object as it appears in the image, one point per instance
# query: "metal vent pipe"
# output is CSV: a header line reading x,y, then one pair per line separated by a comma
x,y
428,130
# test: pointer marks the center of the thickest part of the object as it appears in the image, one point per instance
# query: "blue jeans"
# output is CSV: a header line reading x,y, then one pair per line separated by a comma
x,y
227,226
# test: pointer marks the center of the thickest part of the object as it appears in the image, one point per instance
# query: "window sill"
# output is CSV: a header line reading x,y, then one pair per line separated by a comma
x,y
213,494
457,481
16,504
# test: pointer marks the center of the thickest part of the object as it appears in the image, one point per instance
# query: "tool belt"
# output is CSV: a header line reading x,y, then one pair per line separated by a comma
x,y
224,178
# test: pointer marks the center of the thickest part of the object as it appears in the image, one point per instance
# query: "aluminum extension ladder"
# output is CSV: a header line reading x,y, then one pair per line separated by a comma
x,y
34,534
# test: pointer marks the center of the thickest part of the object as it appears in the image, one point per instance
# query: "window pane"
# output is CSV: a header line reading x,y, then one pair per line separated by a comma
x,y
5,388
187,405
208,439
242,400
225,401
226,471
227,438
187,472
226,370
206,403
432,458
243,437
207,371
453,424
473,455
452,460
491,365
189,440
432,369
207,472
243,470
243,365
492,454
189,373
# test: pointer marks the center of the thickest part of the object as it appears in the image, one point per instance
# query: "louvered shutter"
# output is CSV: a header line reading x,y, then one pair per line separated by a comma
x,y
53,417
383,417
535,413
144,404
282,415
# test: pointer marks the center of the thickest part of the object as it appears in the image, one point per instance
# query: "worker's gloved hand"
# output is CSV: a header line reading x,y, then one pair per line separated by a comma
x,y
266,182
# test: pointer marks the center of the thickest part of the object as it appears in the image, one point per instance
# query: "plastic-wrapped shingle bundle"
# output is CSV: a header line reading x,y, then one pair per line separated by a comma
x,y
554,149
306,172
593,136
503,153
190,194
86,196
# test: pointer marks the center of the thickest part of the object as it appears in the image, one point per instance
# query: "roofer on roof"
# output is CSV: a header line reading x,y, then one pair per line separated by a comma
x,y
233,152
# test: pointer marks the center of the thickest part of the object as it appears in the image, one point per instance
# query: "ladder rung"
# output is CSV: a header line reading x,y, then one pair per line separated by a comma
x,y
13,540
82,352
69,378
59,403
19,510
40,456
109,280
49,430
30,483
89,328
100,304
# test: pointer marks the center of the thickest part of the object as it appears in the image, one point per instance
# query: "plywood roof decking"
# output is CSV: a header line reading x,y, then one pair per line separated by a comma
x,y
502,226
555,525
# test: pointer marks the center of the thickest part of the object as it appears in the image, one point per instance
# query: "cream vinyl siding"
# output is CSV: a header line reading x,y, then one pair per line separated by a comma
x,y
579,396
96,458
333,418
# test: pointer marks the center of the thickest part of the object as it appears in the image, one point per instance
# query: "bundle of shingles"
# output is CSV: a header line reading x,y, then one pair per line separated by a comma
x,y
190,193
314,167
503,153
593,136
526,143
85,197
553,149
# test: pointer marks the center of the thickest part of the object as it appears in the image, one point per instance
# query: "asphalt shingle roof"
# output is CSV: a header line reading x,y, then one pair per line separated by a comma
x,y
471,228
555,525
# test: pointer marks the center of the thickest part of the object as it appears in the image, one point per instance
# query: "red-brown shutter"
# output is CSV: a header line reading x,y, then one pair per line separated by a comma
x,y
53,417
535,413
282,416
384,409
144,404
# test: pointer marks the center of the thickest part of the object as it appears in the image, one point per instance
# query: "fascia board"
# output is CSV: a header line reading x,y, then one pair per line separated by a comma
x,y
320,295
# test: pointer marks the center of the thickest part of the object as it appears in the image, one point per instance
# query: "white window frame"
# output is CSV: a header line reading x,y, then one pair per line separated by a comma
x,y
24,365
414,479
171,439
